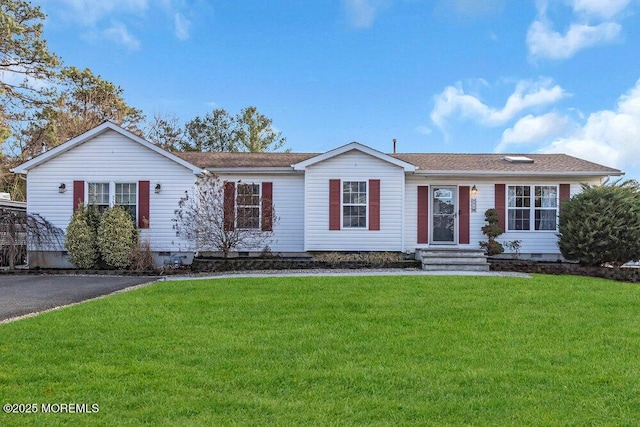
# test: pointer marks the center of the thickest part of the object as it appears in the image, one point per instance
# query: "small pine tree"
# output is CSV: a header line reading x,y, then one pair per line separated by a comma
x,y
117,237
491,230
81,238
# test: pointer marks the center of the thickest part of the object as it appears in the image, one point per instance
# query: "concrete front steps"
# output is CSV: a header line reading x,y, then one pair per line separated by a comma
x,y
453,259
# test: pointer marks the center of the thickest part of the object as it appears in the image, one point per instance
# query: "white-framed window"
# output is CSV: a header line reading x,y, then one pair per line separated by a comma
x,y
127,197
354,204
248,206
532,207
98,195
103,195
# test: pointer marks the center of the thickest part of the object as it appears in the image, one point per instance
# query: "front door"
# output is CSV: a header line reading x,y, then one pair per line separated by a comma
x,y
444,215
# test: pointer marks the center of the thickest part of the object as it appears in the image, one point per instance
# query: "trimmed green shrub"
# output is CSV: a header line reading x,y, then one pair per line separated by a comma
x,y
602,224
117,237
81,238
491,230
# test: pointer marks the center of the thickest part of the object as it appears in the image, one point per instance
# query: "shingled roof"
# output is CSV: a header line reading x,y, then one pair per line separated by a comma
x,y
542,163
244,160
426,162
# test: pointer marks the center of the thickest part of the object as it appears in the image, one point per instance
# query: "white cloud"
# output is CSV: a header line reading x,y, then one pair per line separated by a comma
x,y
362,13
96,17
544,42
605,9
608,137
593,22
423,130
533,129
119,33
89,12
472,7
454,102
181,26
19,76
594,151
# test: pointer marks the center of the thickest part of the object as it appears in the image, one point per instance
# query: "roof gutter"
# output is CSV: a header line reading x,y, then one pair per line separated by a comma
x,y
253,170
454,173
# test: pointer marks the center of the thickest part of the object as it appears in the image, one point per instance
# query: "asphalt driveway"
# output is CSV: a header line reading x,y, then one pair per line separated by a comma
x,y
24,294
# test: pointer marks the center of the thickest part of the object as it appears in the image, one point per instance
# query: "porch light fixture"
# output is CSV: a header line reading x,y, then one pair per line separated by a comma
x,y
474,193
62,188
158,188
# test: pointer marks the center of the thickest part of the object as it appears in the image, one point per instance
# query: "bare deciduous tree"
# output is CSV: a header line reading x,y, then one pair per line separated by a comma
x,y
164,131
207,223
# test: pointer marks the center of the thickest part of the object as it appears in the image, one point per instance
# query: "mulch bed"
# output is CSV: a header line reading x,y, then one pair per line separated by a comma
x,y
622,274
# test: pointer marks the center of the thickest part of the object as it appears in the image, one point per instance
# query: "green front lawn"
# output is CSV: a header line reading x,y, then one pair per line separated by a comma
x,y
404,350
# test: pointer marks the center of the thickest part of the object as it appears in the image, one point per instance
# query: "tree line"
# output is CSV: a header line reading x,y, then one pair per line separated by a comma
x,y
44,102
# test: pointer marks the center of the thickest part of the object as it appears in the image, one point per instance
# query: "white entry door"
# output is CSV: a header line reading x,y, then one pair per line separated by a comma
x,y
443,218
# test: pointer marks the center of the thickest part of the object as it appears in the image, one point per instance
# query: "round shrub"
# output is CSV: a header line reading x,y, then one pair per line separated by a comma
x,y
602,225
117,237
80,240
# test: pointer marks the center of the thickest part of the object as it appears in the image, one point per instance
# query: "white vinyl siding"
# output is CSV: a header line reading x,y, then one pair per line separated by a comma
x,y
533,242
484,200
288,208
353,166
111,158
300,199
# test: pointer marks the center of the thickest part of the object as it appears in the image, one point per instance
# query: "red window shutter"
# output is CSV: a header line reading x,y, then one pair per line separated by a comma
x,y
143,204
565,193
423,214
334,204
500,204
463,219
229,205
374,204
78,194
267,206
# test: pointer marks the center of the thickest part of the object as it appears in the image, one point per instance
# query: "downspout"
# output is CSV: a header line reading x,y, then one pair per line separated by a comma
x,y
404,209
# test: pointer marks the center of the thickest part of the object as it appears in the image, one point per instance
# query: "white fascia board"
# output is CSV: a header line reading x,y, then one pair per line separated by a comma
x,y
454,173
408,167
88,135
256,170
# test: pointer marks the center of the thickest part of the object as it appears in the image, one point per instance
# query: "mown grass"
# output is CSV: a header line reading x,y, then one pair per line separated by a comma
x,y
336,351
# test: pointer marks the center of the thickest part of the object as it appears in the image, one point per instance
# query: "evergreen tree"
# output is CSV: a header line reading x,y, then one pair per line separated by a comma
x,y
81,239
602,224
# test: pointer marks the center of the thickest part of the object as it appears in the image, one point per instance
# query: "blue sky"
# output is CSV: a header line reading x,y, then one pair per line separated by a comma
x,y
462,76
